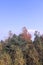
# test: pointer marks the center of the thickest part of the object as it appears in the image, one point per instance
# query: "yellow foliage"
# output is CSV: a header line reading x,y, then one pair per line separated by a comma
x,y
19,60
5,59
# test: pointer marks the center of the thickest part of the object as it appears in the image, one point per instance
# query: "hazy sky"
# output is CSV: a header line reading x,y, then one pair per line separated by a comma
x,y
14,14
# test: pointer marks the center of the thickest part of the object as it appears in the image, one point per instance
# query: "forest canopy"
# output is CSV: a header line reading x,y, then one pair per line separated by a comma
x,y
21,50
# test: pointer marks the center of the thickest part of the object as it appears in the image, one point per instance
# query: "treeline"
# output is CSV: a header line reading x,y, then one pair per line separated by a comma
x,y
21,50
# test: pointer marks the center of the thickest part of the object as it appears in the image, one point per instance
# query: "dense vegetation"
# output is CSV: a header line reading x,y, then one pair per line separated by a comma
x,y
21,50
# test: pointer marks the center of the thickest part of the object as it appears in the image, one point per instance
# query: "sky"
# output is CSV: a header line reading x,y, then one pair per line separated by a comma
x,y
15,14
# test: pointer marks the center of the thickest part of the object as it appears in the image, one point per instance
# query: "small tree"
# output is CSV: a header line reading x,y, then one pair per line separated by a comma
x,y
25,34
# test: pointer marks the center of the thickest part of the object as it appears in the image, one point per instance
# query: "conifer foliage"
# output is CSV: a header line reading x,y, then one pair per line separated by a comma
x,y
21,50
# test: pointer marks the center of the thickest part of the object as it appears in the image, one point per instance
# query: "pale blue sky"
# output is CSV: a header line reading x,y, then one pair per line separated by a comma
x,y
14,14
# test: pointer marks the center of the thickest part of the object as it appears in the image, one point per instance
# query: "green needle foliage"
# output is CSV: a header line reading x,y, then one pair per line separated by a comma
x,y
21,50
